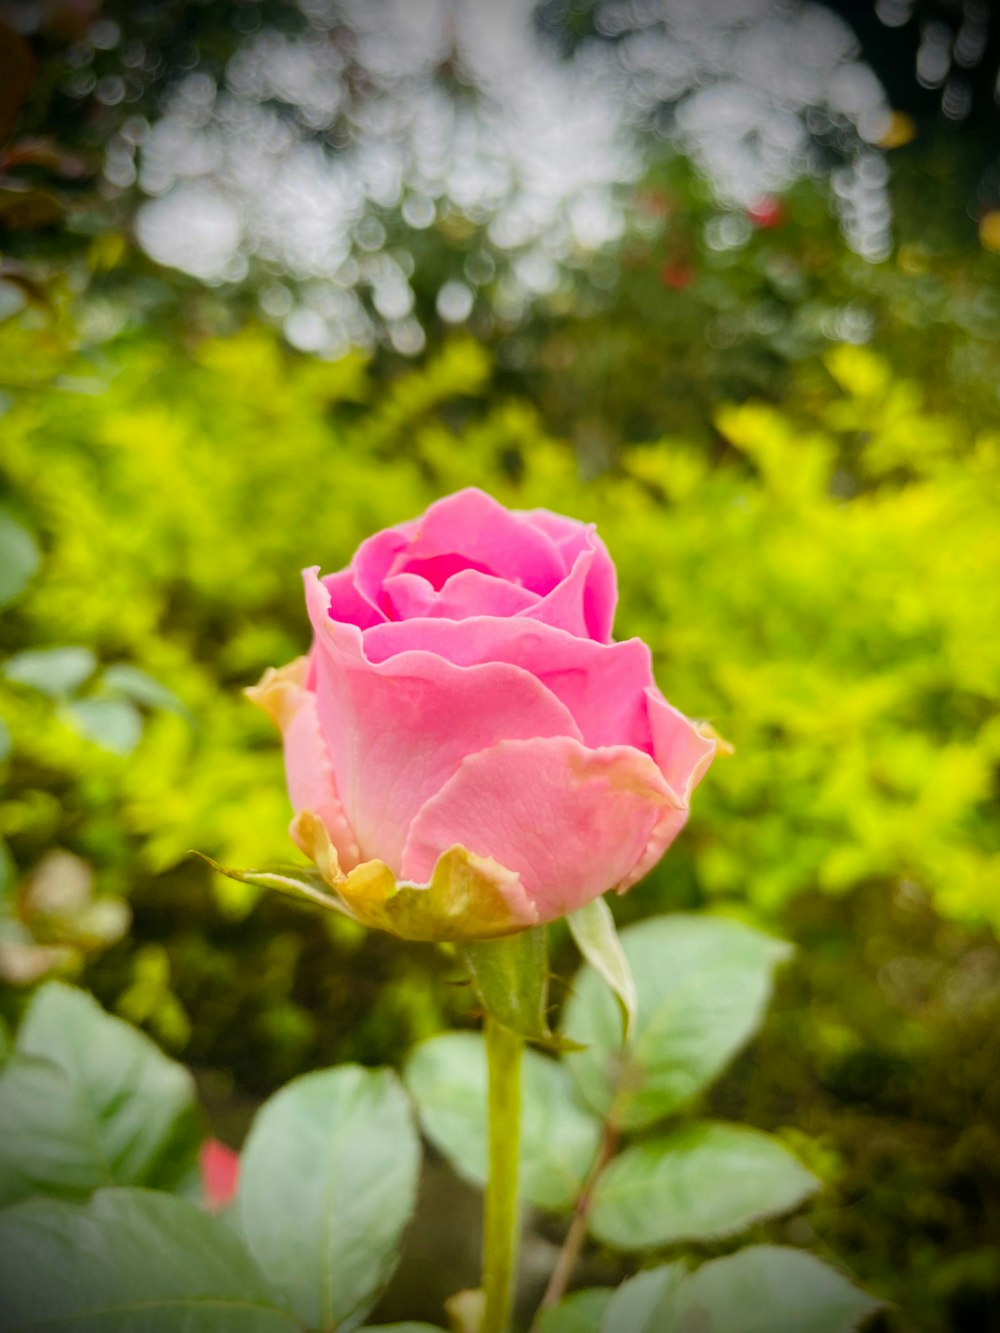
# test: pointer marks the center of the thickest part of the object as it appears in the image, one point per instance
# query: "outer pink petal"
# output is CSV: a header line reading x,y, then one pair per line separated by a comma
x,y
602,684
286,698
570,821
397,730
468,593
477,527
683,756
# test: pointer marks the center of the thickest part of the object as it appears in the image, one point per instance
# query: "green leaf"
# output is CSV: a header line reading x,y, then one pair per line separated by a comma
x,y
765,1289
5,741
593,929
633,1306
512,978
703,985
55,671
114,724
701,1182
46,1142
580,1312
130,1261
19,558
89,1101
141,688
328,1181
447,1078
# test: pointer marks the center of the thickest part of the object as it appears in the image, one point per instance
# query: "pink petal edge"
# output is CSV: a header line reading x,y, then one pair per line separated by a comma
x,y
485,532
590,564
287,696
683,756
682,753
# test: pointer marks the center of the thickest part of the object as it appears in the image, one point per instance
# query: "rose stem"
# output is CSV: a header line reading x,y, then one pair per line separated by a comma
x,y
575,1236
501,1223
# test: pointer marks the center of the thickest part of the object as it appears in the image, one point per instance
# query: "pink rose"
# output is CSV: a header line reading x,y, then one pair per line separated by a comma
x,y
468,751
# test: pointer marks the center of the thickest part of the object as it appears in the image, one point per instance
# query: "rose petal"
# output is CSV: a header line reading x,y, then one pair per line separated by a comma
x,y
468,593
474,526
682,752
570,821
584,602
602,684
283,695
347,604
372,562
590,591
600,596
397,730
569,535
683,756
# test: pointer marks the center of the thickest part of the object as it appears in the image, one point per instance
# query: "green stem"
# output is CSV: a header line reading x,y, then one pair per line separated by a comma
x,y
501,1222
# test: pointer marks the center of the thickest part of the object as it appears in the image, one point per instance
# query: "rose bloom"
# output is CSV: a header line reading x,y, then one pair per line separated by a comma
x,y
468,751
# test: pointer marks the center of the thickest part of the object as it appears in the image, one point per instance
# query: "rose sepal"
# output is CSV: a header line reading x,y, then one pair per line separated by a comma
x,y
511,977
302,882
468,897
593,929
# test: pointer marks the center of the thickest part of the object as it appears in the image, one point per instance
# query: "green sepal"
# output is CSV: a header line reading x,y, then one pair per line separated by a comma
x,y
593,929
512,978
302,882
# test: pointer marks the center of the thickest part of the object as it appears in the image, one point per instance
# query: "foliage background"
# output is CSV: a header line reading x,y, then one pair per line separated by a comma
x,y
805,529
